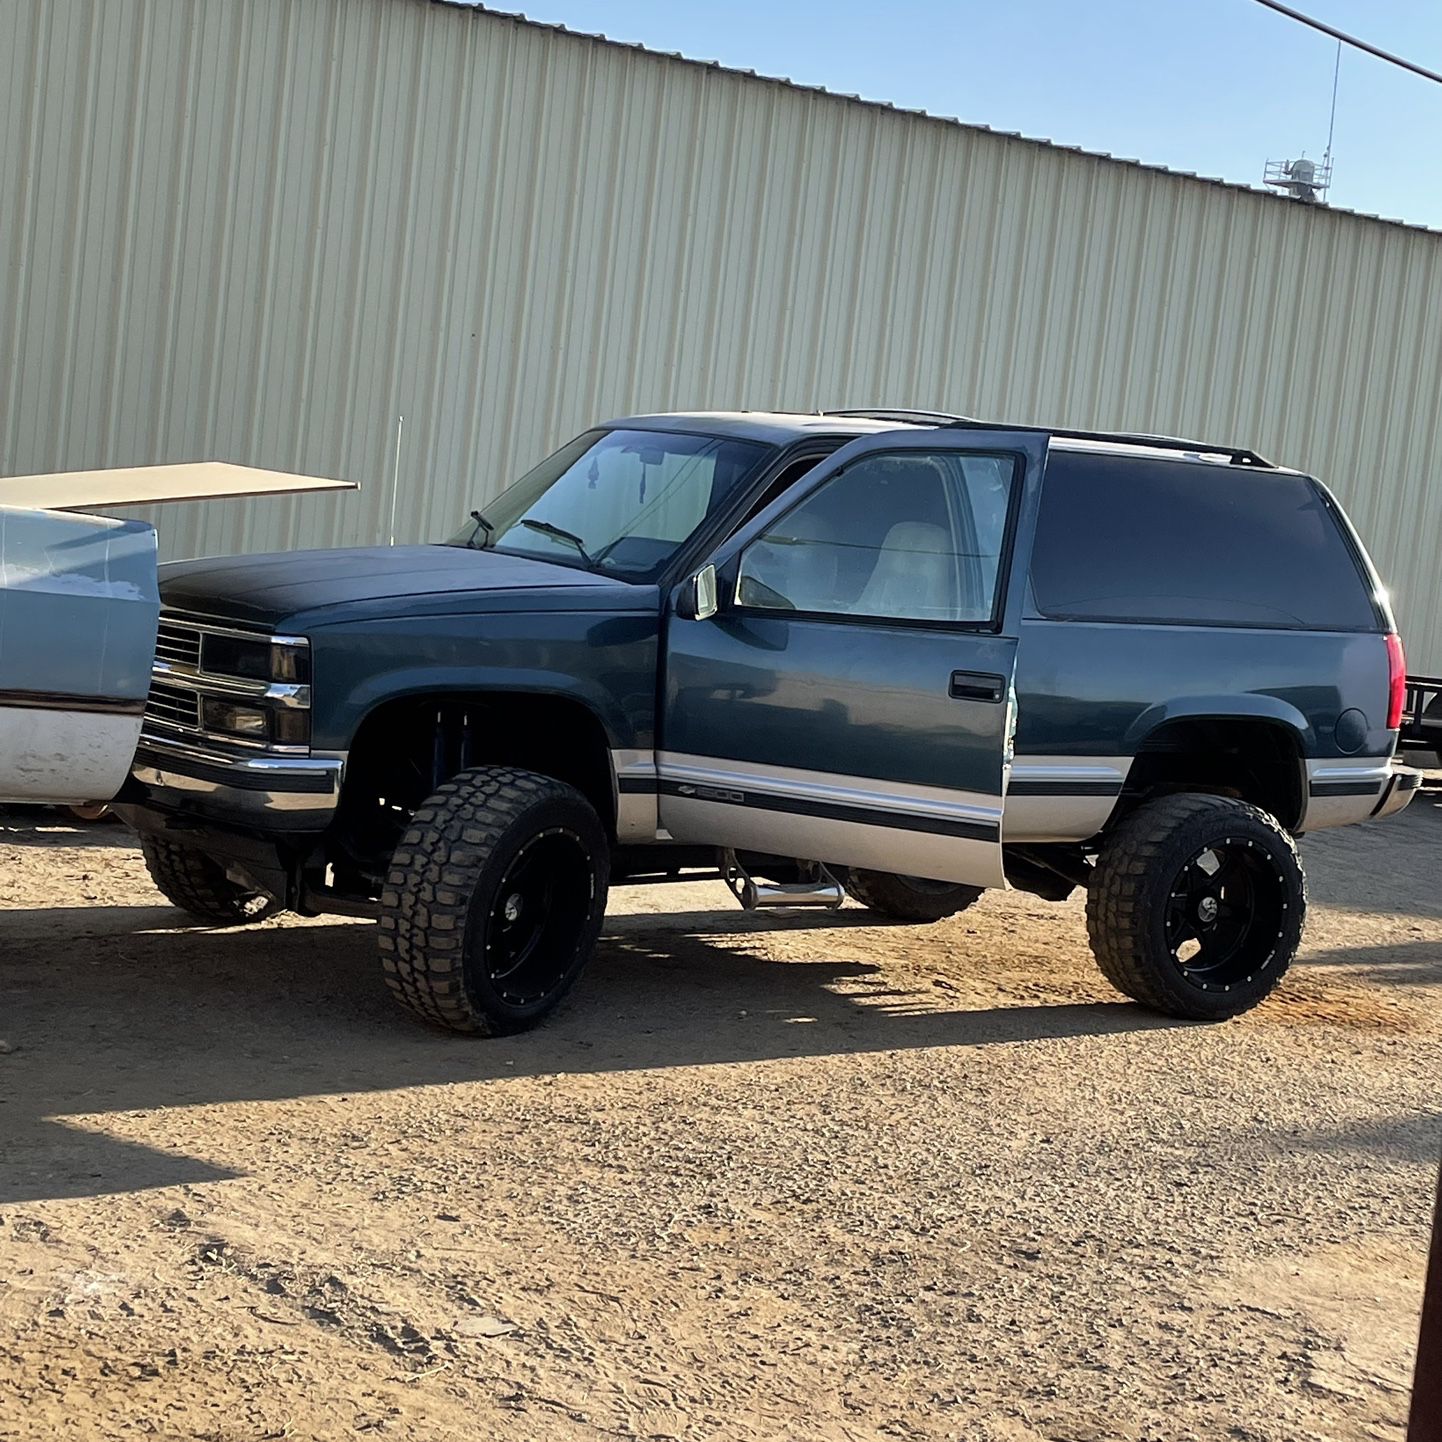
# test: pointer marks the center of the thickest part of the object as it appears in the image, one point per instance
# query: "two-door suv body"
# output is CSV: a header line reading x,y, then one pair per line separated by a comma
x,y
907,655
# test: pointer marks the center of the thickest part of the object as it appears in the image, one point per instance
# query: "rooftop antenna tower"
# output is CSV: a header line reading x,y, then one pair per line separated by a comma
x,y
1303,179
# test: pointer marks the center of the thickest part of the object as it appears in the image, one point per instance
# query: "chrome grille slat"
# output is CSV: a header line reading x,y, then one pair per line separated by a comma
x,y
179,645
173,706
179,683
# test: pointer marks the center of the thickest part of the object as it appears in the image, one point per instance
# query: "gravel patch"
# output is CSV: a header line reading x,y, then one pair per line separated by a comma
x,y
760,1178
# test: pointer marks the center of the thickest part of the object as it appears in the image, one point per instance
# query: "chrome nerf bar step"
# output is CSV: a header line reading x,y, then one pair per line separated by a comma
x,y
818,887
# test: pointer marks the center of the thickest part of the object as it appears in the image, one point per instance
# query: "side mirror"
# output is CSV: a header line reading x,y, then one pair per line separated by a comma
x,y
698,598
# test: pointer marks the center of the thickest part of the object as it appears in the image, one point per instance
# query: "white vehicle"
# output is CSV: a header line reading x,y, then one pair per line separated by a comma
x,y
79,604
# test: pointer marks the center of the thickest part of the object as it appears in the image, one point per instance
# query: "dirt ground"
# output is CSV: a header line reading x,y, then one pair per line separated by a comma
x,y
804,1179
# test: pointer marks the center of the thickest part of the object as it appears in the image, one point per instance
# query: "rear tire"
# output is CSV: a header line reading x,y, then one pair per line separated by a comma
x,y
908,898
198,885
1196,906
494,901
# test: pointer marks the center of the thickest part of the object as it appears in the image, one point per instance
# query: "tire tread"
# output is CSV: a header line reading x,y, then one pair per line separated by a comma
x,y
888,896
426,898
198,885
1120,896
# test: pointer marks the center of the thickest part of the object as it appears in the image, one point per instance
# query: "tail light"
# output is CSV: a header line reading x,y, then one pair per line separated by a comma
x,y
1397,681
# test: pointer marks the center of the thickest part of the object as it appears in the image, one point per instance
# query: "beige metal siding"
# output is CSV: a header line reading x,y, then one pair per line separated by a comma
x,y
261,230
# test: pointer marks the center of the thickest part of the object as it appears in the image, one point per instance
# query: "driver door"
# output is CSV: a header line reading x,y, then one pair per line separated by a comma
x,y
852,699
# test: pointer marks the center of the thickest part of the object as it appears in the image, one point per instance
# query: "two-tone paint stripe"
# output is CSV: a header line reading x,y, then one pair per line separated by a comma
x,y
1342,792
914,830
1048,797
642,777
936,811
1061,798
1348,778
1067,776
637,818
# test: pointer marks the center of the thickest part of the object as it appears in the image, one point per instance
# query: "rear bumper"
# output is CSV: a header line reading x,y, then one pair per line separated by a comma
x,y
1401,787
262,793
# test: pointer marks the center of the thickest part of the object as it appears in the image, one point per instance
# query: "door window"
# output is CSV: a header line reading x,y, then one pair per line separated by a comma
x,y
784,481
905,535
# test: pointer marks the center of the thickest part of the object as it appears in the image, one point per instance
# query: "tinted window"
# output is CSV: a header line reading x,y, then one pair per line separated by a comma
x,y
1180,541
913,535
783,482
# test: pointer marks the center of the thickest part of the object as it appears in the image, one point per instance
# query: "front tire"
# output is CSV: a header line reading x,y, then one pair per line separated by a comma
x,y
198,885
1196,906
908,898
494,900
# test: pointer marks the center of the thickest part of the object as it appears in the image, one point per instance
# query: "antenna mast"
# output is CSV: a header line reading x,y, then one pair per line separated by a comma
x,y
1332,121
1304,179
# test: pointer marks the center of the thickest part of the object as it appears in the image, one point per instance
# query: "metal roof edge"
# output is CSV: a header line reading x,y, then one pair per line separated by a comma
x,y
520,18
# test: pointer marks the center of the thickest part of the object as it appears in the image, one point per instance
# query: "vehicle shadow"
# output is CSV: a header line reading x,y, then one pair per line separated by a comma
x,y
1411,1137
145,1015
1401,963
1381,866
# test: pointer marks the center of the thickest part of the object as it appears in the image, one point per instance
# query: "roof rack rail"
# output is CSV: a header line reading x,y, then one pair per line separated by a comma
x,y
936,418
1236,455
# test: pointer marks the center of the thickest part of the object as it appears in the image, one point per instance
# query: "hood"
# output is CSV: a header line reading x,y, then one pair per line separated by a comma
x,y
267,588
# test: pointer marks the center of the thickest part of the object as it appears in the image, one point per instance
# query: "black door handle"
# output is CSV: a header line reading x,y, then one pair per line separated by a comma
x,y
977,686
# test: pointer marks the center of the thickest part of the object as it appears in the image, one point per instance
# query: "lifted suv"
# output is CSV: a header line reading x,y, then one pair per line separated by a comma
x,y
907,655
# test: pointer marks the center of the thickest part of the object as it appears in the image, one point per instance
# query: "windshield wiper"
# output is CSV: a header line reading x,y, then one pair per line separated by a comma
x,y
482,524
570,537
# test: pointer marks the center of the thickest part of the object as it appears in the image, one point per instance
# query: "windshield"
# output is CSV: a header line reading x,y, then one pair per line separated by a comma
x,y
616,501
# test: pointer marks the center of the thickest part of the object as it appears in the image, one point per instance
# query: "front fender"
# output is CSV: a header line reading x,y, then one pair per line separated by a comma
x,y
401,685
607,667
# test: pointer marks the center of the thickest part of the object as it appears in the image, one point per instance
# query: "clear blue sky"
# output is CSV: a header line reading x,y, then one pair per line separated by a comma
x,y
1211,86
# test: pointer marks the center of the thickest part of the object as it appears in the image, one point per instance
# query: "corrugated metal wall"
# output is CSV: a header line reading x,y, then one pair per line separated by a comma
x,y
261,230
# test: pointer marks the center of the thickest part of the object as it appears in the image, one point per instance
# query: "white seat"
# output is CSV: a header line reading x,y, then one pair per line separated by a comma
x,y
915,575
801,568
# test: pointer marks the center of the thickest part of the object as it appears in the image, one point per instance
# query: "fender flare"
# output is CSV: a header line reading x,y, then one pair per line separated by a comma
x,y
1247,707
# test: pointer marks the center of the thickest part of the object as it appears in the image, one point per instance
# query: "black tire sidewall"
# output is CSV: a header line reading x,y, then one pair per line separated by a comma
x,y
574,815
898,898
197,883
1185,993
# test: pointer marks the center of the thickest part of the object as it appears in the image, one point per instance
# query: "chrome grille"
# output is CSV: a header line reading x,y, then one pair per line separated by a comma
x,y
173,706
189,667
177,645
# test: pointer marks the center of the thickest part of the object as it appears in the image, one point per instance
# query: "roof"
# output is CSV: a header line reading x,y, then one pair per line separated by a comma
x,y
518,17
775,427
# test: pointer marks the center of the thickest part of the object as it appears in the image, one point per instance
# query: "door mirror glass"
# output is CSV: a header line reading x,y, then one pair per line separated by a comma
x,y
698,599
707,601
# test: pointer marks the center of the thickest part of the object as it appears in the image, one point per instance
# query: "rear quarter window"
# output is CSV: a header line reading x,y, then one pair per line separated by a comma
x,y
1192,544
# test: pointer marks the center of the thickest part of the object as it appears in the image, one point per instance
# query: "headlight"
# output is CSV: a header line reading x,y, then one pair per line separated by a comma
x,y
256,659
282,726
290,661
290,728
236,720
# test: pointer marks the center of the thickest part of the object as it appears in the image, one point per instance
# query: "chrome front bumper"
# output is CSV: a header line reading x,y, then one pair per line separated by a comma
x,y
288,793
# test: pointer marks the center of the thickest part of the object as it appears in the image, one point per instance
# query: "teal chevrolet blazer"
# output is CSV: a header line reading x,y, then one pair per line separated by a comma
x,y
894,655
